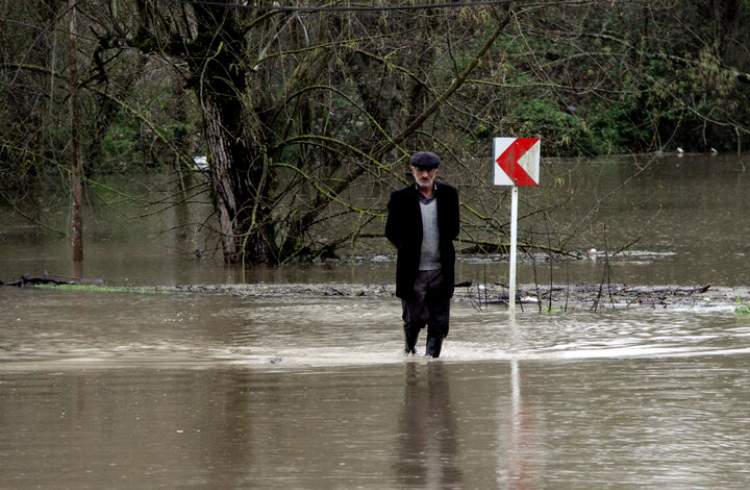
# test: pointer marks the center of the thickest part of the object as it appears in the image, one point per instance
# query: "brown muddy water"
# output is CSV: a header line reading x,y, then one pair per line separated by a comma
x,y
665,220
129,390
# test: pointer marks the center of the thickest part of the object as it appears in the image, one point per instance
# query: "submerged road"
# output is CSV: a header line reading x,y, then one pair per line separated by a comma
x,y
126,390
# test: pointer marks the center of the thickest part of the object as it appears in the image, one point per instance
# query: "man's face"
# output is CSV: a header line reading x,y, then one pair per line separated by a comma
x,y
424,177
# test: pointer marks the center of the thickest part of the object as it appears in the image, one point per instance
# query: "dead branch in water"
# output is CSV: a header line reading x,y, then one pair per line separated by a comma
x,y
29,280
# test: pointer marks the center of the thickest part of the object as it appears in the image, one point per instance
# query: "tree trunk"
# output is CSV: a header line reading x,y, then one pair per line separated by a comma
x,y
237,154
238,177
75,123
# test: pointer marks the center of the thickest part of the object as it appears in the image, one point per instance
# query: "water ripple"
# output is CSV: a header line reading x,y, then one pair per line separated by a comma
x,y
203,332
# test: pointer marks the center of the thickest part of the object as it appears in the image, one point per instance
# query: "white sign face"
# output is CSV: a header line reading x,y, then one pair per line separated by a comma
x,y
515,161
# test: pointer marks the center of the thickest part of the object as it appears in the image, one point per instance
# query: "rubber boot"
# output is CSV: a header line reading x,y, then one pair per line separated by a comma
x,y
410,335
434,344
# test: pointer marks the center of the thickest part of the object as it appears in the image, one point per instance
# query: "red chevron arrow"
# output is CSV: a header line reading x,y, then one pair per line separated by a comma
x,y
508,161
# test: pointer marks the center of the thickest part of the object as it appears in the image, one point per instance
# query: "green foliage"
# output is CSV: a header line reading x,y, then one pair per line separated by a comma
x,y
614,127
742,309
553,310
120,142
149,140
562,132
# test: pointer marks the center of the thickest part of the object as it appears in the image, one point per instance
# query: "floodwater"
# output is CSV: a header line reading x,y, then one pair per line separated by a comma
x,y
665,220
129,390
146,391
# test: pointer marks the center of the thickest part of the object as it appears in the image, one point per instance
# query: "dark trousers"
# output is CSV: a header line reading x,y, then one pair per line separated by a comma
x,y
426,308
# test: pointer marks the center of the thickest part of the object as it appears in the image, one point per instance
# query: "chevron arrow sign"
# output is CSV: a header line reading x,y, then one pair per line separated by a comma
x,y
516,161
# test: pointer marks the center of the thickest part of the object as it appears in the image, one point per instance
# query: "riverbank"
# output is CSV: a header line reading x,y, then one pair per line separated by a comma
x,y
563,297
573,297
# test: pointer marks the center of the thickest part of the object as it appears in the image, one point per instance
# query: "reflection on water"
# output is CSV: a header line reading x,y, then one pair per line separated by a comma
x,y
427,449
143,391
619,424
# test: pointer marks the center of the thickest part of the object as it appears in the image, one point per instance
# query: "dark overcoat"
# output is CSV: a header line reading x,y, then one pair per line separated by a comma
x,y
404,230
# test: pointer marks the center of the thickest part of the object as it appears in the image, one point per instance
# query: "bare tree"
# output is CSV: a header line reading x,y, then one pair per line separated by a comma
x,y
297,107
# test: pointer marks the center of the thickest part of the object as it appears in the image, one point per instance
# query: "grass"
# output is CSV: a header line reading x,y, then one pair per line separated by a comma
x,y
742,309
554,310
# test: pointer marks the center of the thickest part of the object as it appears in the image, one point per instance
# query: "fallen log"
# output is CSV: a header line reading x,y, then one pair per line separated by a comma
x,y
28,280
31,280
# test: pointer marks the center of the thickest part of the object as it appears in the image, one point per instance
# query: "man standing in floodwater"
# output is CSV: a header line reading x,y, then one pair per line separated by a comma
x,y
423,221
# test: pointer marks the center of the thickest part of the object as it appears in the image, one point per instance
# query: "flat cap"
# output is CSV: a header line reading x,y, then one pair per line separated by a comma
x,y
425,159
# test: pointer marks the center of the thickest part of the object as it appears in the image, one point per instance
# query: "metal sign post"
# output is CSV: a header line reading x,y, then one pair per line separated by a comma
x,y
513,246
515,163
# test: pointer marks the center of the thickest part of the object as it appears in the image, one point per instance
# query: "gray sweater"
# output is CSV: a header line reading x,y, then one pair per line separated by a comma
x,y
430,256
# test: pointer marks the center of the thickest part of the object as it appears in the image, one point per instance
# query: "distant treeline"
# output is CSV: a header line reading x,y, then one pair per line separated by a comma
x,y
291,106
